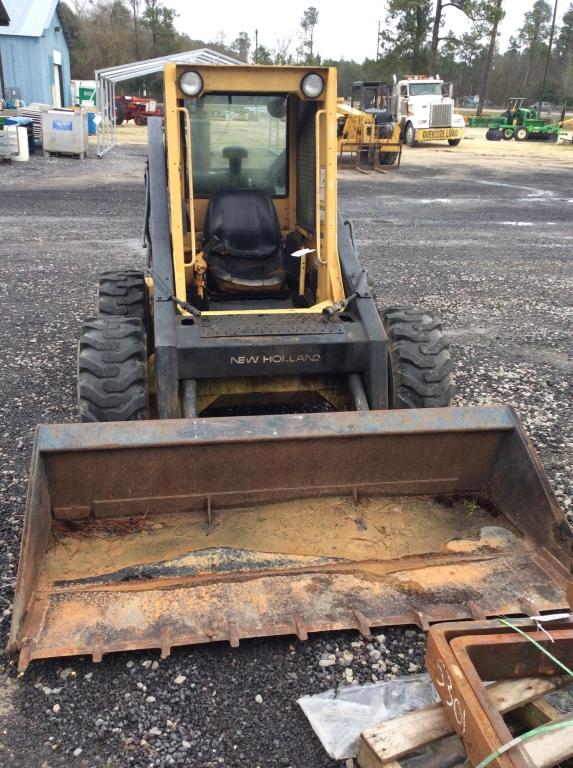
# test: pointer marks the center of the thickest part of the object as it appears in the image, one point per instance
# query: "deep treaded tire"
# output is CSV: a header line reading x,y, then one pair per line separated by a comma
x,y
420,362
112,370
123,292
389,158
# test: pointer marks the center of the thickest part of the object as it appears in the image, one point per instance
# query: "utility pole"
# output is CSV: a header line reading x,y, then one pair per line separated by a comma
x,y
378,42
256,46
548,59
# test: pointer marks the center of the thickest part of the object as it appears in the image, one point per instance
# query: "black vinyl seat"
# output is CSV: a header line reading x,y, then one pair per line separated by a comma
x,y
246,254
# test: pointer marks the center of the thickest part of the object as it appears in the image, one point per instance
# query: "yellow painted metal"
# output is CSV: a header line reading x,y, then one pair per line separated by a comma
x,y
174,169
330,285
359,130
189,158
256,79
435,134
315,309
302,274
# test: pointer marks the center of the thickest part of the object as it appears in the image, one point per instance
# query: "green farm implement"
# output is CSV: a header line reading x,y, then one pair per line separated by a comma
x,y
522,124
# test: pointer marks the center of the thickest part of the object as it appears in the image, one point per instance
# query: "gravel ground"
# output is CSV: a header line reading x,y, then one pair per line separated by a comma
x,y
486,245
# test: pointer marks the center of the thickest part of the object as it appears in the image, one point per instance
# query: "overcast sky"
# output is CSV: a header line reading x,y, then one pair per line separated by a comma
x,y
343,30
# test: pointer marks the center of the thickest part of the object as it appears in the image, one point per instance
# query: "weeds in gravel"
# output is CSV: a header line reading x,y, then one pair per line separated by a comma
x,y
471,506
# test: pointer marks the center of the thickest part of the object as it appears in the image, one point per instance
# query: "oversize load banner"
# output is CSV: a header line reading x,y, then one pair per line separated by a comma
x,y
433,134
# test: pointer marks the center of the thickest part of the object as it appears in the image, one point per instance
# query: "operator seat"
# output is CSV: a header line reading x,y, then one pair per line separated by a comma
x,y
244,254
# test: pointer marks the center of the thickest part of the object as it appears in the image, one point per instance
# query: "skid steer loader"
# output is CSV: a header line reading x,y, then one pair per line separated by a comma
x,y
170,519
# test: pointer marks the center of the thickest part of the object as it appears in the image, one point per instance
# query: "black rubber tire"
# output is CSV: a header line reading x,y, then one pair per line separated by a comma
x,y
410,135
123,292
521,133
420,362
507,134
553,138
112,370
454,142
119,115
389,158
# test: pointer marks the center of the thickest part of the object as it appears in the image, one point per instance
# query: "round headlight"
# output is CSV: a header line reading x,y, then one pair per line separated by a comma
x,y
191,83
312,85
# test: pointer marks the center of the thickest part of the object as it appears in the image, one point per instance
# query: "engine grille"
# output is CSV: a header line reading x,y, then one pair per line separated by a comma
x,y
440,115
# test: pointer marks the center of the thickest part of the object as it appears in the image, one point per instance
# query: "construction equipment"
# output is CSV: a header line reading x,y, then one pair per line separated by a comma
x,y
371,136
136,108
388,507
522,124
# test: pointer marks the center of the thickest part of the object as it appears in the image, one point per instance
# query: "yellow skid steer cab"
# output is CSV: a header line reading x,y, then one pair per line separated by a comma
x,y
262,452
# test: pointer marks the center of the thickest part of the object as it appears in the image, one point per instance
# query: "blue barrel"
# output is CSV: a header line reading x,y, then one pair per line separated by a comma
x,y
92,127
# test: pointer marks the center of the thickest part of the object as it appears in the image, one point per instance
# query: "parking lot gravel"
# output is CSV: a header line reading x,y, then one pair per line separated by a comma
x,y
484,239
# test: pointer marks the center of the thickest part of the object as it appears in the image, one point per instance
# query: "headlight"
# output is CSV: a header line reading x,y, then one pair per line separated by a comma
x,y
312,85
191,83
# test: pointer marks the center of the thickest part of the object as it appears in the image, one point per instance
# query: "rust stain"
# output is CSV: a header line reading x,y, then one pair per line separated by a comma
x,y
286,567
461,656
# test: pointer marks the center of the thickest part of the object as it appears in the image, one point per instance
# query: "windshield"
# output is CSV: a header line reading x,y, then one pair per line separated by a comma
x,y
425,89
239,141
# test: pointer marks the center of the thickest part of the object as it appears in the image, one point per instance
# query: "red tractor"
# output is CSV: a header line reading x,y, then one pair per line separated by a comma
x,y
136,108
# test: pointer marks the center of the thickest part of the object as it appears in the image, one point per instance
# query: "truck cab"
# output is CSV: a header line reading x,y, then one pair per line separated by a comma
x,y
424,107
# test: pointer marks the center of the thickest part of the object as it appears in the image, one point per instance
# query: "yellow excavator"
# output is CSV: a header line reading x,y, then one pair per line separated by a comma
x,y
261,451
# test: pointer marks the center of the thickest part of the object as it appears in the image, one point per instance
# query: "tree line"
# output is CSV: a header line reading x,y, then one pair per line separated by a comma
x,y
412,40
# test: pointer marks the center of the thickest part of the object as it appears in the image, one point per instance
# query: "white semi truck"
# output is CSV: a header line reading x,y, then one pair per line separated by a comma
x,y
424,108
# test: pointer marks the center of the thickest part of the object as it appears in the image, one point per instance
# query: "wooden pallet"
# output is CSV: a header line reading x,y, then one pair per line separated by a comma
x,y
384,745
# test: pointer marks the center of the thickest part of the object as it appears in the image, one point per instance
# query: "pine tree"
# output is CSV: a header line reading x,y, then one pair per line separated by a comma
x,y
406,40
469,8
533,36
492,13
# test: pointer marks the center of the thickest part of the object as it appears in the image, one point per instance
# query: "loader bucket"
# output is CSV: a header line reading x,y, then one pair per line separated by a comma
x,y
166,533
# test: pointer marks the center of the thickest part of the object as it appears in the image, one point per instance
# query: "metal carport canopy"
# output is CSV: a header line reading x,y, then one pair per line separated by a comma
x,y
108,77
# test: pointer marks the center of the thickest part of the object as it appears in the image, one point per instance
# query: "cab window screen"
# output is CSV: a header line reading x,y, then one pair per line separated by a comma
x,y
239,142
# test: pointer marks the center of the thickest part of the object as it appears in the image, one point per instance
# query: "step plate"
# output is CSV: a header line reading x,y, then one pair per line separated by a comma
x,y
267,325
